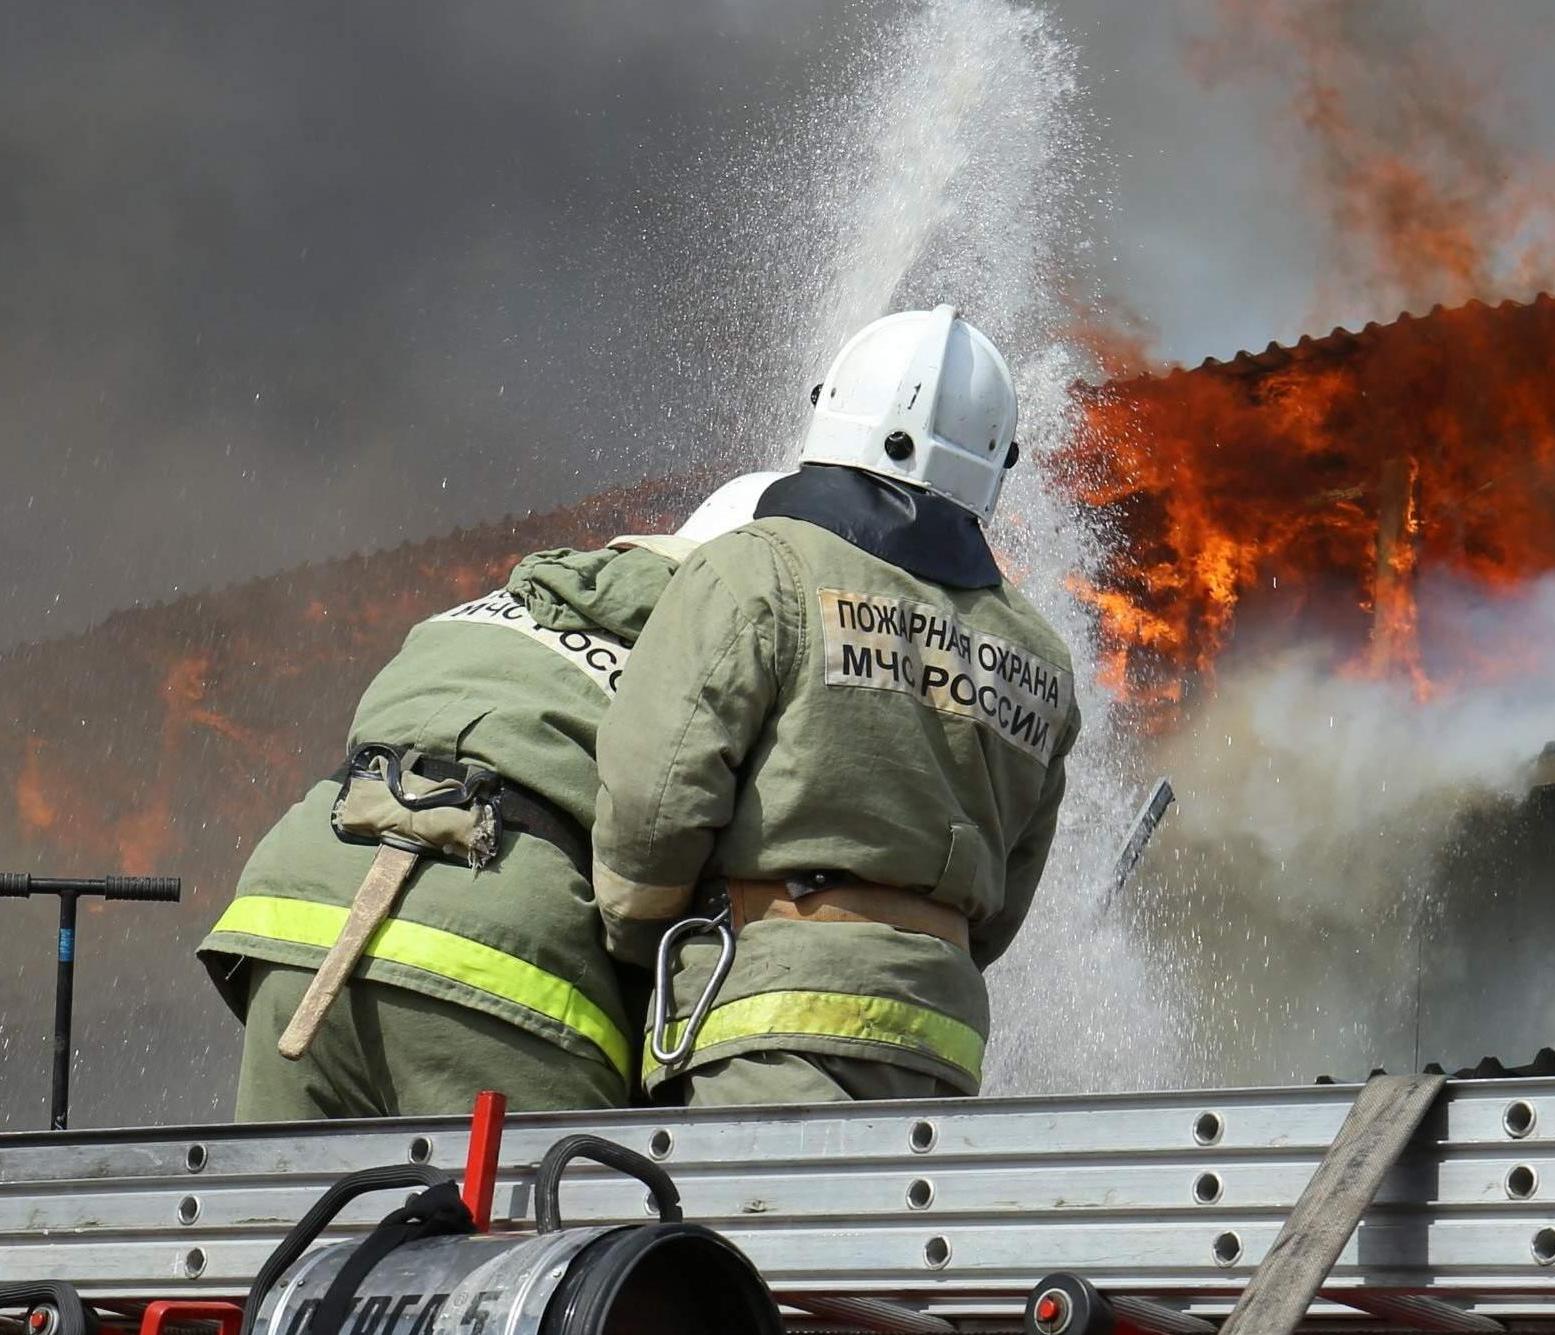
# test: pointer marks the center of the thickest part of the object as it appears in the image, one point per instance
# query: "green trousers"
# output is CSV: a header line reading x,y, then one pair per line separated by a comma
x,y
385,1051
795,1077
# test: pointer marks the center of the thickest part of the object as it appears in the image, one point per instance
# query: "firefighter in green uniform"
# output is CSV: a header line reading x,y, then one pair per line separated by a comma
x,y
844,728
465,807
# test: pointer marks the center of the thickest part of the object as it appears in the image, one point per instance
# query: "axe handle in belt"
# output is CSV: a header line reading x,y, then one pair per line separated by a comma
x,y
374,899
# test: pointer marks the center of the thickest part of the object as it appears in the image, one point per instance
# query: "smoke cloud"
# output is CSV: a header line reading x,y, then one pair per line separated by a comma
x,y
1304,756
1334,834
1407,146
285,282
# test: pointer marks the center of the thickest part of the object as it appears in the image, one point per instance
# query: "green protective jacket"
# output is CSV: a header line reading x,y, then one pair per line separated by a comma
x,y
518,681
797,704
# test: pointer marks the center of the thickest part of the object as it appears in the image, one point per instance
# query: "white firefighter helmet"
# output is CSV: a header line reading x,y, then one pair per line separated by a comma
x,y
730,507
922,397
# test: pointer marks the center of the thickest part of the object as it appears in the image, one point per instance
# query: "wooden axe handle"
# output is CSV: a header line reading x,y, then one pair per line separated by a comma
x,y
374,899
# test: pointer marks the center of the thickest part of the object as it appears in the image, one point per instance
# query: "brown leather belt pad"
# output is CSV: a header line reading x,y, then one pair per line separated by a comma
x,y
373,901
890,905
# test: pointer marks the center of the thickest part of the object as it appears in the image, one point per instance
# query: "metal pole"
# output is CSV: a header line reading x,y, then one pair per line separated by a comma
x,y
64,1001
1144,825
21,885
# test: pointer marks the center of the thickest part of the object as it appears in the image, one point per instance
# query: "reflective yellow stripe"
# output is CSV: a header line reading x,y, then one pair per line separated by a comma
x,y
838,1015
433,950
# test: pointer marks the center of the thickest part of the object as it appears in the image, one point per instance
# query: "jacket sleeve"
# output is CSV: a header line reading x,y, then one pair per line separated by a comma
x,y
1023,870
696,691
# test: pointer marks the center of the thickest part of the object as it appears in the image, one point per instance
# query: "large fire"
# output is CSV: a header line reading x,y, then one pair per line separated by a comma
x,y
1308,489
1318,488
1315,486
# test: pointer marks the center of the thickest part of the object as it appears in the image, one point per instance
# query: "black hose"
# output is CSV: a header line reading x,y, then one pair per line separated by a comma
x,y
437,1212
548,1215
322,1212
74,1316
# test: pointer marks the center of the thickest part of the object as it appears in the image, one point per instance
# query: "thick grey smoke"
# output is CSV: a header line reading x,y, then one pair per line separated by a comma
x,y
1351,871
285,281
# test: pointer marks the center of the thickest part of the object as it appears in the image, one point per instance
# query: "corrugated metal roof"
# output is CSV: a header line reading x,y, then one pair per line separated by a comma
x,y
1339,342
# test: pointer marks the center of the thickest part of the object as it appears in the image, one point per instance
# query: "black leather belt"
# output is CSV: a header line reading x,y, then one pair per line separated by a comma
x,y
523,811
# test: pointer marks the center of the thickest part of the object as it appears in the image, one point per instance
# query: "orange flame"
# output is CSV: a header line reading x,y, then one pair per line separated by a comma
x,y
1401,135
32,799
169,739
1313,486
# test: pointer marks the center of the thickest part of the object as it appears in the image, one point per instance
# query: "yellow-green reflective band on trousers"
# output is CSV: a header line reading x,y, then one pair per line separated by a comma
x,y
433,950
838,1015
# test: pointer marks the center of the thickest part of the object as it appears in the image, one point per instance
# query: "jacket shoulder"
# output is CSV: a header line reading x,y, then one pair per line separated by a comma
x,y
750,561
1040,632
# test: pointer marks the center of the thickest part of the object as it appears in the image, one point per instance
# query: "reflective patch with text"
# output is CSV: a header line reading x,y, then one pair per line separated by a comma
x,y
894,644
594,653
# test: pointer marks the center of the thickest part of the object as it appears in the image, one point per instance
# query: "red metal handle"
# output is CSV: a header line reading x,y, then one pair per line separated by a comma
x,y
480,1168
170,1310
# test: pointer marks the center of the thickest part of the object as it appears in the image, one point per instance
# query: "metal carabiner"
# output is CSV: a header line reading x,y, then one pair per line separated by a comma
x,y
661,986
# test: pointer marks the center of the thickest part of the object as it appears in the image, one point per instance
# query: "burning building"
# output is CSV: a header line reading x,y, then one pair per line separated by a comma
x,y
1328,600
1380,502
1316,487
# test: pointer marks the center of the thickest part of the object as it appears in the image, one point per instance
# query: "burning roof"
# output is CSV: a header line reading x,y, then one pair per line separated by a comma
x,y
1315,488
1301,486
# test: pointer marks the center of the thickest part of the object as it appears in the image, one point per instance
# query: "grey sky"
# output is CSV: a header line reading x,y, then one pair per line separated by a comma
x,y
283,281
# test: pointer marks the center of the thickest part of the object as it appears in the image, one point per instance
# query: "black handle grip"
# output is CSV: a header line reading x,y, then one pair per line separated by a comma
x,y
160,889
548,1177
322,1211
148,889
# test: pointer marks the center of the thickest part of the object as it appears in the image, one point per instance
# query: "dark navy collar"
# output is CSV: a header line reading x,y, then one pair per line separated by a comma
x,y
921,533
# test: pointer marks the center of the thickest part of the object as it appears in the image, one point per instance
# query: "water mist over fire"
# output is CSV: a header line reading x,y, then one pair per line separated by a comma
x,y
1324,601
956,168
1325,848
